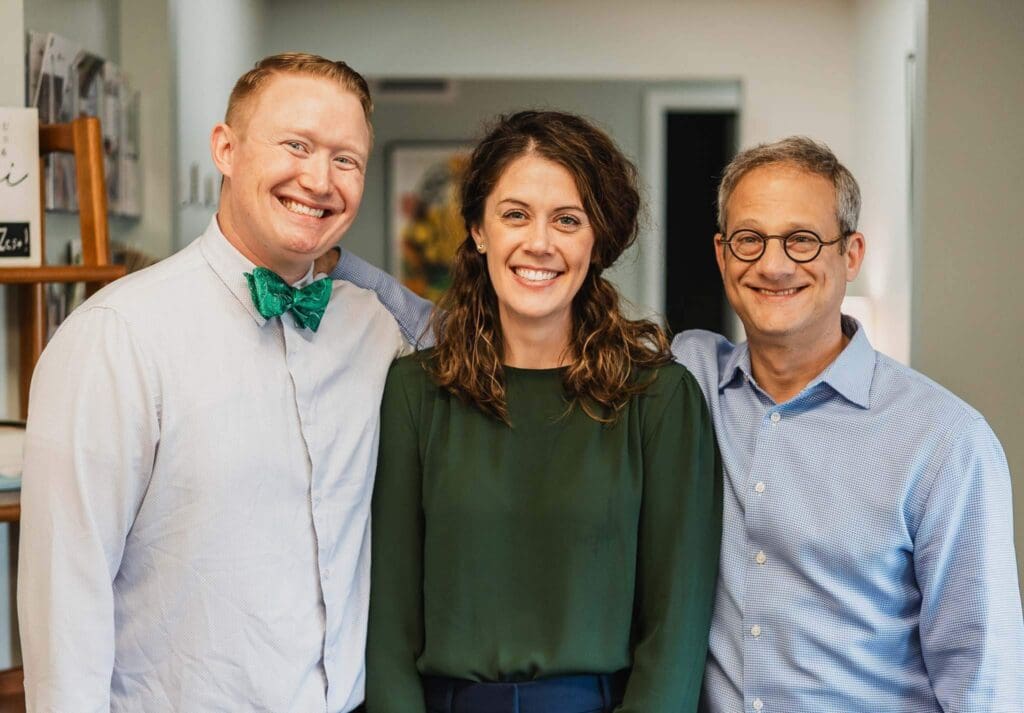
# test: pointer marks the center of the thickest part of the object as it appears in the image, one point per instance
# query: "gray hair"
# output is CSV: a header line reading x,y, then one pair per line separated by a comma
x,y
806,154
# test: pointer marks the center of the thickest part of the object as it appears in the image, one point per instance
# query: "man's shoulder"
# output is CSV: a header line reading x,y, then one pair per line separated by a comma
x,y
699,343
136,293
356,305
899,385
361,297
703,353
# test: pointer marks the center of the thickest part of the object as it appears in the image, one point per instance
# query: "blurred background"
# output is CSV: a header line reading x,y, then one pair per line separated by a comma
x,y
921,99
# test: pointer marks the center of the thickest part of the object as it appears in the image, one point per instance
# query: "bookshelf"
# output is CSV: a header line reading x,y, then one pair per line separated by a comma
x,y
83,139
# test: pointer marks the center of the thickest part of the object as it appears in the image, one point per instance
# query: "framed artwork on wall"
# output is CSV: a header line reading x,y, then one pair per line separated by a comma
x,y
424,223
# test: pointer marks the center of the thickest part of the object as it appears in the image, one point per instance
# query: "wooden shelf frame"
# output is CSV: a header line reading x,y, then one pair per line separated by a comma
x,y
84,139
60,273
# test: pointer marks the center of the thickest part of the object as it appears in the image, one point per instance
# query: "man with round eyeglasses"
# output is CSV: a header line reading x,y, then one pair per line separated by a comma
x,y
867,552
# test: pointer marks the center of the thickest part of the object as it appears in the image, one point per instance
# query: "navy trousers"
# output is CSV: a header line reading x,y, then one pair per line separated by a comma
x,y
561,694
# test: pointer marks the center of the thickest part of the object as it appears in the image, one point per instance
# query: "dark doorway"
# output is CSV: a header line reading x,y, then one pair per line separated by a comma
x,y
698,145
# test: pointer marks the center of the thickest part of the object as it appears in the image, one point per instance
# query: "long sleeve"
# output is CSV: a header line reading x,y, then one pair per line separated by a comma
x,y
396,633
677,561
972,633
91,439
411,311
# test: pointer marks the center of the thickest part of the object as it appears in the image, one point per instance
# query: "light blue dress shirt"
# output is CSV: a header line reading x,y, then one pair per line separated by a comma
x,y
867,555
867,551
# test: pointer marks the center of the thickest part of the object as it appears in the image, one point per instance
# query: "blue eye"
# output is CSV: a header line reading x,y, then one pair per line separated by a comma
x,y
295,145
515,215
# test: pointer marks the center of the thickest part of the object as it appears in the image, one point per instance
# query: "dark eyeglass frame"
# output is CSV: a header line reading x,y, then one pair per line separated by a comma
x,y
784,239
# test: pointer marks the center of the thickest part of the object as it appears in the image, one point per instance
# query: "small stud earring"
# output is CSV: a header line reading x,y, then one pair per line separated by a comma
x,y
480,248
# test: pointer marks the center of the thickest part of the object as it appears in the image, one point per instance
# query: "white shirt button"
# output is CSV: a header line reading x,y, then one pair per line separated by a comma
x,y
755,631
759,487
760,558
758,704
327,574
776,417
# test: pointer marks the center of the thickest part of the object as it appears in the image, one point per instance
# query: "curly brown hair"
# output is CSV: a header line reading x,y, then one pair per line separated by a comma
x,y
607,349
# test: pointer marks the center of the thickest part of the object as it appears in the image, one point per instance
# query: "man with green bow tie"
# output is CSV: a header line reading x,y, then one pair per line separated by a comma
x,y
199,461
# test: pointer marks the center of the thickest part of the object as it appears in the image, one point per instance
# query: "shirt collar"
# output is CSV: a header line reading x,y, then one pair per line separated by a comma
x,y
737,364
231,266
849,375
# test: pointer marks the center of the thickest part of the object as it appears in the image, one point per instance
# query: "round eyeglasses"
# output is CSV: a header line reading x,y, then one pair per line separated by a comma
x,y
800,245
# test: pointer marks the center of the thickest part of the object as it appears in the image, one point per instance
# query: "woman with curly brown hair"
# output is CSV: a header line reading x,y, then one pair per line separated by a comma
x,y
547,511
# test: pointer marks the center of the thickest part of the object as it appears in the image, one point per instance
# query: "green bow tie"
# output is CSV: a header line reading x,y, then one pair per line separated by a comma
x,y
273,296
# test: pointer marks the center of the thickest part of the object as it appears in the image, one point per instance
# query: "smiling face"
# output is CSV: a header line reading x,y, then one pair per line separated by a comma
x,y
781,301
294,167
538,242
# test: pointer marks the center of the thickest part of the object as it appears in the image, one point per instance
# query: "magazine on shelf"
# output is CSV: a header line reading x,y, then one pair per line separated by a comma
x,y
36,48
56,103
64,82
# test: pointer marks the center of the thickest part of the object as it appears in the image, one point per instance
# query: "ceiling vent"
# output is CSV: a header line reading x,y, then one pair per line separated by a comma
x,y
412,90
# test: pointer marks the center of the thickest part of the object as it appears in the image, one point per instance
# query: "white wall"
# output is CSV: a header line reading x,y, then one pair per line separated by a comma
x,y
91,23
794,57
145,51
969,297
12,54
214,43
884,35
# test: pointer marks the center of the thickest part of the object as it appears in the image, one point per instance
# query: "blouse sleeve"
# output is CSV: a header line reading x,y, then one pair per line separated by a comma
x,y
395,638
678,548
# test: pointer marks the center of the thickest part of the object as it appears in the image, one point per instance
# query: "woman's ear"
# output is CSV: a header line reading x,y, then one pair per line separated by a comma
x,y
478,238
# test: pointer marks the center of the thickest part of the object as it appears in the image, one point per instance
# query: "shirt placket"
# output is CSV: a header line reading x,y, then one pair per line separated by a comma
x,y
297,358
758,581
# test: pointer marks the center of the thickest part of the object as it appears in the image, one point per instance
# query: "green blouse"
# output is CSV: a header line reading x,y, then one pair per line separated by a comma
x,y
556,546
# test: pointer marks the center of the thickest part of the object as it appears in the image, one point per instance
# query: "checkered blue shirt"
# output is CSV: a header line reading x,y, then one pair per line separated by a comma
x,y
867,551
867,554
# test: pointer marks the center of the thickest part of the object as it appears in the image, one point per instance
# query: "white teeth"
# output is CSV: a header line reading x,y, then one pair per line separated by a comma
x,y
302,209
535,275
778,293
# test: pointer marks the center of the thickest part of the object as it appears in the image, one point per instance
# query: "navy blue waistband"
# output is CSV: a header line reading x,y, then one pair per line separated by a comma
x,y
559,694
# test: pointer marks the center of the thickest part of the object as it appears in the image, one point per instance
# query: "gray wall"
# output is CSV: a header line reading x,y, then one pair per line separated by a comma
x,y
968,315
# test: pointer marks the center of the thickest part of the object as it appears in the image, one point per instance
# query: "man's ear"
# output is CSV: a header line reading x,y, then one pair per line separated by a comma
x,y
720,255
223,142
856,246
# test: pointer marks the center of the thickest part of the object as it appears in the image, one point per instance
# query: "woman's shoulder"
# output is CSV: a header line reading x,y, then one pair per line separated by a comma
x,y
663,381
669,387
410,371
